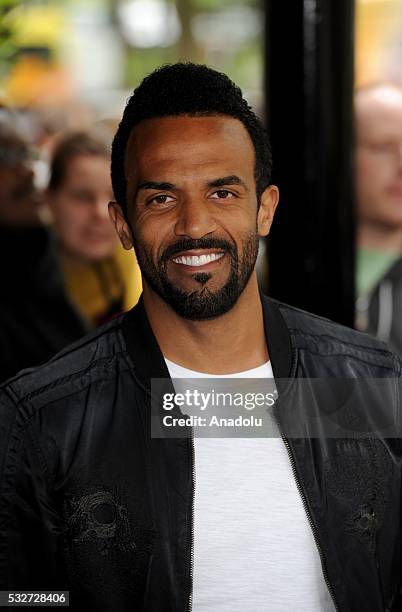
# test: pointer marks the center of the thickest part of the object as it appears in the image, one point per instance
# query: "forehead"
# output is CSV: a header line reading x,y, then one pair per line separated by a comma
x,y
187,142
379,115
83,165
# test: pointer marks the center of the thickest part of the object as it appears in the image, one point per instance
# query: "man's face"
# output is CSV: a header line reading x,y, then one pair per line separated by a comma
x,y
19,199
192,211
379,158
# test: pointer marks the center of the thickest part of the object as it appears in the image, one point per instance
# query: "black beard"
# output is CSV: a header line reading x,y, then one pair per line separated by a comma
x,y
200,304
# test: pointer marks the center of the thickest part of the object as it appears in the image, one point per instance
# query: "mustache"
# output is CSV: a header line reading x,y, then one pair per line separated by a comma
x,y
187,244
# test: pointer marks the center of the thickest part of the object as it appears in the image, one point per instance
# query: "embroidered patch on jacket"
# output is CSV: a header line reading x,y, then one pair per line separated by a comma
x,y
362,479
99,517
106,547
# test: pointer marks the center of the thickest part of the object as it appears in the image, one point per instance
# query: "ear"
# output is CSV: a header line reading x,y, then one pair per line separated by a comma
x,y
268,203
122,227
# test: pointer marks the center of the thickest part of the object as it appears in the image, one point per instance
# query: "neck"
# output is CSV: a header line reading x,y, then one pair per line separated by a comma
x,y
72,259
233,342
379,237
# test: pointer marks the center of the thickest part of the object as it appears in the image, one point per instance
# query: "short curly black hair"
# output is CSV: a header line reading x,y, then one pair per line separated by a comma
x,y
194,90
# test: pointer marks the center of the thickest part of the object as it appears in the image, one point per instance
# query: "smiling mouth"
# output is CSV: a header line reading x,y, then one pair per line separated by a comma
x,y
197,260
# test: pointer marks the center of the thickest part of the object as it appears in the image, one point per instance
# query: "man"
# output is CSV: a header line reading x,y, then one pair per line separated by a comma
x,y
379,199
93,503
36,317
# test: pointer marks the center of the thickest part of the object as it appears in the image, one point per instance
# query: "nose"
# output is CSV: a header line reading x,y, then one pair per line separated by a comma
x,y
101,210
195,219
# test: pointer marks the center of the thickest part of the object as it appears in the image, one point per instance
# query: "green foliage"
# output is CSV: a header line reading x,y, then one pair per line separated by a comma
x,y
8,47
243,65
216,5
140,62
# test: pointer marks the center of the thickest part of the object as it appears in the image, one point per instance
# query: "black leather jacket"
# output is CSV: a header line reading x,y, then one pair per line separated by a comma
x,y
37,318
91,503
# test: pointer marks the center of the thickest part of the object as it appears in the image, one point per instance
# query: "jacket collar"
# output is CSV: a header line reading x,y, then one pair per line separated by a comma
x,y
149,362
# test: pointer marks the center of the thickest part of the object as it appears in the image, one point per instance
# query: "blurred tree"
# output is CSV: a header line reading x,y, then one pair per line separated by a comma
x,y
8,46
187,47
233,51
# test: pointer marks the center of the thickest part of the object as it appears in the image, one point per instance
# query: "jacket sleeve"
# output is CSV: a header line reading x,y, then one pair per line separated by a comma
x,y
399,412
30,526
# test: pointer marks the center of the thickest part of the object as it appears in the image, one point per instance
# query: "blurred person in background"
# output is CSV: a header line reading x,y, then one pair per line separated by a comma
x,y
379,212
102,279
36,317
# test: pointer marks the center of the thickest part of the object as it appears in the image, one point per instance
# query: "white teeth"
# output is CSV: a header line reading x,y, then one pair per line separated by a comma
x,y
197,260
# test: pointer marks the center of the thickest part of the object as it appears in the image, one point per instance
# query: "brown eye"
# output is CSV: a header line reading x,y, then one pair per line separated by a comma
x,y
222,194
82,196
161,199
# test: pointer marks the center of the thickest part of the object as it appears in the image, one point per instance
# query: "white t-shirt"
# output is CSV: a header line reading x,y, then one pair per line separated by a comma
x,y
254,549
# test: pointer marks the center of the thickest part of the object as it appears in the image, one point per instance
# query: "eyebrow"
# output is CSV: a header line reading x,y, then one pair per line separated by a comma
x,y
219,182
155,185
227,180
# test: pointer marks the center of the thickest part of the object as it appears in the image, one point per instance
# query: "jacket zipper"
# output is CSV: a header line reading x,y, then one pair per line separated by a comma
x,y
191,569
306,509
310,520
